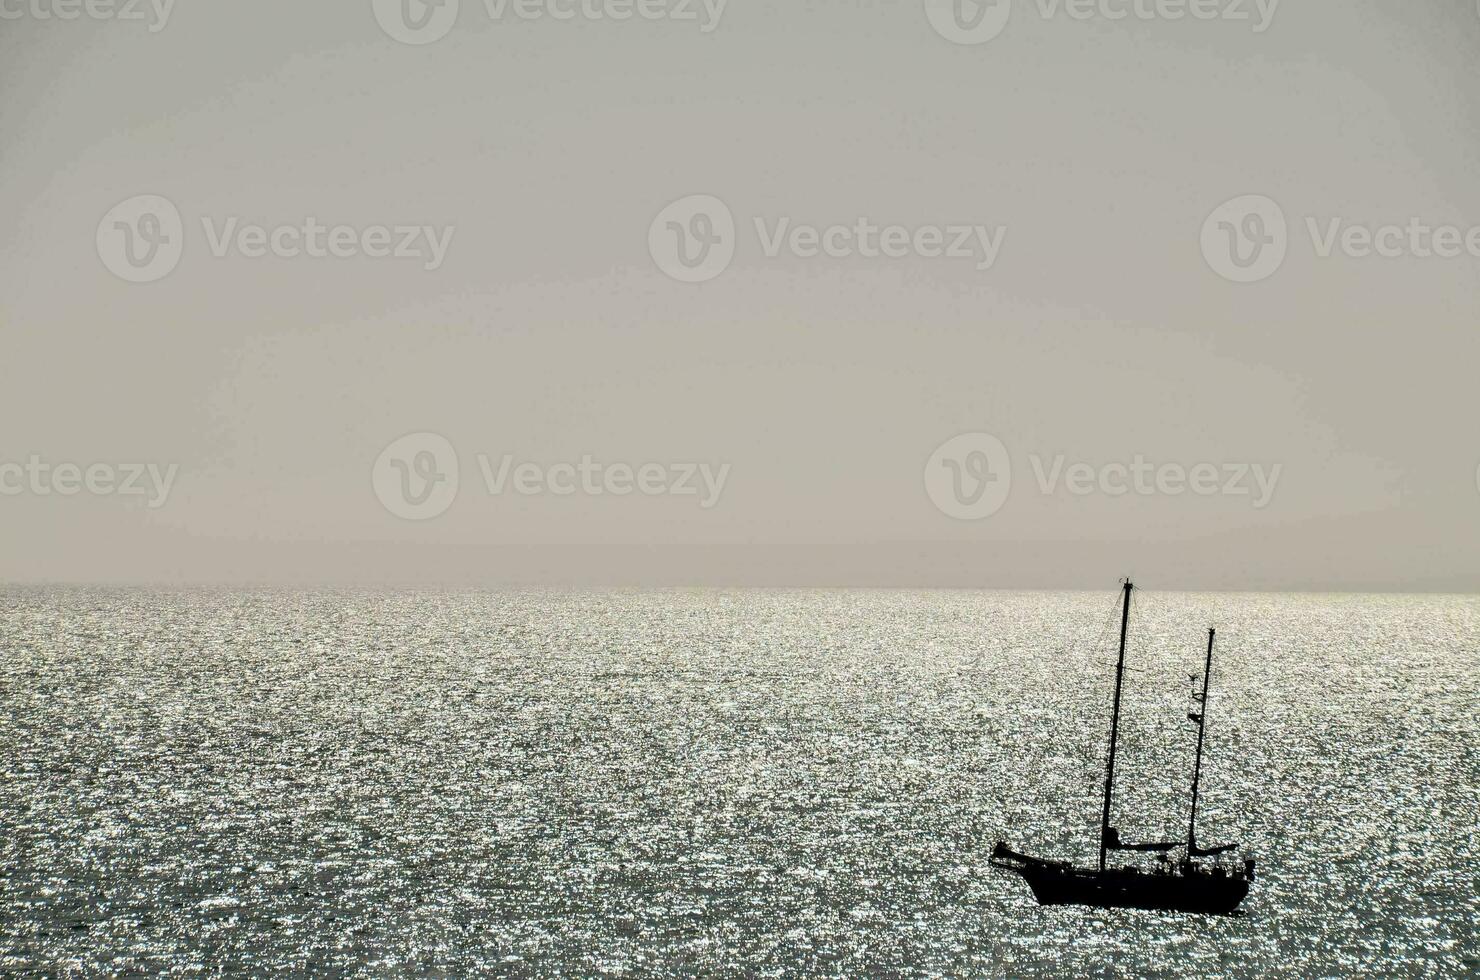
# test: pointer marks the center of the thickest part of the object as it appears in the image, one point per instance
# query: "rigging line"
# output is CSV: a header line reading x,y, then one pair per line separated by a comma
x,y
1098,641
1129,733
1107,633
1109,624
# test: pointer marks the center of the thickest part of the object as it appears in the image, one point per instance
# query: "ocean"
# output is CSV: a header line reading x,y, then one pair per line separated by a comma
x,y
708,782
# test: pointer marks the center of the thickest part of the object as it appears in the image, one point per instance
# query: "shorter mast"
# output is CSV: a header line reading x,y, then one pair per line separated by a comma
x,y
1105,831
1201,717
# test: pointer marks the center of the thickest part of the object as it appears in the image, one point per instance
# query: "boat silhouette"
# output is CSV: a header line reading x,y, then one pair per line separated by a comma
x,y
1191,884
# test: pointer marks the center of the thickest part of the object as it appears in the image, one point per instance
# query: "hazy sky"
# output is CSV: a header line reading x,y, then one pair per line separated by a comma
x,y
1085,322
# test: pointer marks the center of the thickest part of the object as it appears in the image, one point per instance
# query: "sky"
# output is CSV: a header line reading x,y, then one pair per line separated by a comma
x,y
592,292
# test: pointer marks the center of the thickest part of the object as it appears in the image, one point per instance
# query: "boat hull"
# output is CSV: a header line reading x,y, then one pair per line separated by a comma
x,y
1198,891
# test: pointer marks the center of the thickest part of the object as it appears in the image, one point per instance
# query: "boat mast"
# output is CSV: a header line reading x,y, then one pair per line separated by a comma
x,y
1125,617
1201,717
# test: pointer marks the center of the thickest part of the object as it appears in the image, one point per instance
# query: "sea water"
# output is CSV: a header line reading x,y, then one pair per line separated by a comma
x,y
766,783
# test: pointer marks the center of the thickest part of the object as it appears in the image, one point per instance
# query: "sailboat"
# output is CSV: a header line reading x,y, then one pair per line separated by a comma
x,y
1191,884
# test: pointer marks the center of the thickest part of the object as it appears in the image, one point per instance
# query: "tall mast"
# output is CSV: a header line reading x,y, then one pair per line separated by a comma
x,y
1125,618
1201,717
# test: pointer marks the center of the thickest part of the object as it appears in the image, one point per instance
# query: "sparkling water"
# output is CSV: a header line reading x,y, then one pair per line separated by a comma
x,y
772,783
